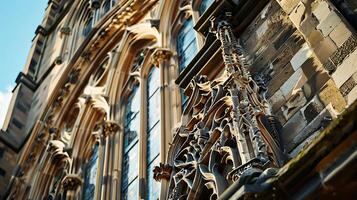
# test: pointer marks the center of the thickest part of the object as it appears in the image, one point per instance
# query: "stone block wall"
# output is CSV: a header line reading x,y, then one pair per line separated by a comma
x,y
7,165
306,52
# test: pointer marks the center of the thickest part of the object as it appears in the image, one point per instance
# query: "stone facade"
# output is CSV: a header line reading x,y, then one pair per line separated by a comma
x,y
113,117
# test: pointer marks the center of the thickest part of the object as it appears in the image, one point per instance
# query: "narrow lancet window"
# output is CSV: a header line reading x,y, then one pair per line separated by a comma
x,y
130,186
90,175
153,132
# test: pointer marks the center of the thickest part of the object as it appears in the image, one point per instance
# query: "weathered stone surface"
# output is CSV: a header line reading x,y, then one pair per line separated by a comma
x,y
330,94
294,103
312,109
315,37
281,60
294,152
314,84
279,79
276,101
280,115
295,81
305,135
311,66
342,52
288,5
292,127
340,34
262,29
301,56
295,42
329,23
346,69
296,15
289,29
325,49
321,11
330,66
349,85
352,96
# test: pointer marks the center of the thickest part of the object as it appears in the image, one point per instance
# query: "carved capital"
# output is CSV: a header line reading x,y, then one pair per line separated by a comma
x,y
110,128
65,30
160,55
163,171
71,182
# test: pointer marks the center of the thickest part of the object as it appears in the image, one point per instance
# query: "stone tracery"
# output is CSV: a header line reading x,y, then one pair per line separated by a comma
x,y
226,134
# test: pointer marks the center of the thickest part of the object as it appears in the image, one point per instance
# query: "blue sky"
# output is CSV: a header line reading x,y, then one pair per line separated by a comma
x,y
18,22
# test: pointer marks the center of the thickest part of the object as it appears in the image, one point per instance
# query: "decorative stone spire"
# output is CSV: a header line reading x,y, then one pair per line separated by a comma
x,y
249,110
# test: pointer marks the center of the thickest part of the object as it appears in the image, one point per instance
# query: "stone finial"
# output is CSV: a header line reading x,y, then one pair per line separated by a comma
x,y
163,171
71,182
110,128
159,55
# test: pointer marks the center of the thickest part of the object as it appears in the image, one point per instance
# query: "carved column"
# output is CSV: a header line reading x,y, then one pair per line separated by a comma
x,y
161,58
109,130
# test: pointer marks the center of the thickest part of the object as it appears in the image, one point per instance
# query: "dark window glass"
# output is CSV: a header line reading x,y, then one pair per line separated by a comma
x,y
204,5
2,172
186,44
153,131
88,26
2,151
90,175
129,186
106,7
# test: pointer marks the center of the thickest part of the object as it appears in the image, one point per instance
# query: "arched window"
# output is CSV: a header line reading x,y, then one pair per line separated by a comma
x,y
153,131
186,49
88,25
204,5
90,175
186,44
130,186
105,7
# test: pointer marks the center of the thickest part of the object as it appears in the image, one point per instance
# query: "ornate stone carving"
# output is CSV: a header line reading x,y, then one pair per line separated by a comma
x,y
65,30
226,134
160,55
71,182
163,171
58,156
110,128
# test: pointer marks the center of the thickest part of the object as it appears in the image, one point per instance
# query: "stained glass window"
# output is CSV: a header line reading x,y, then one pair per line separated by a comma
x,y
186,44
90,175
130,186
204,5
153,132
